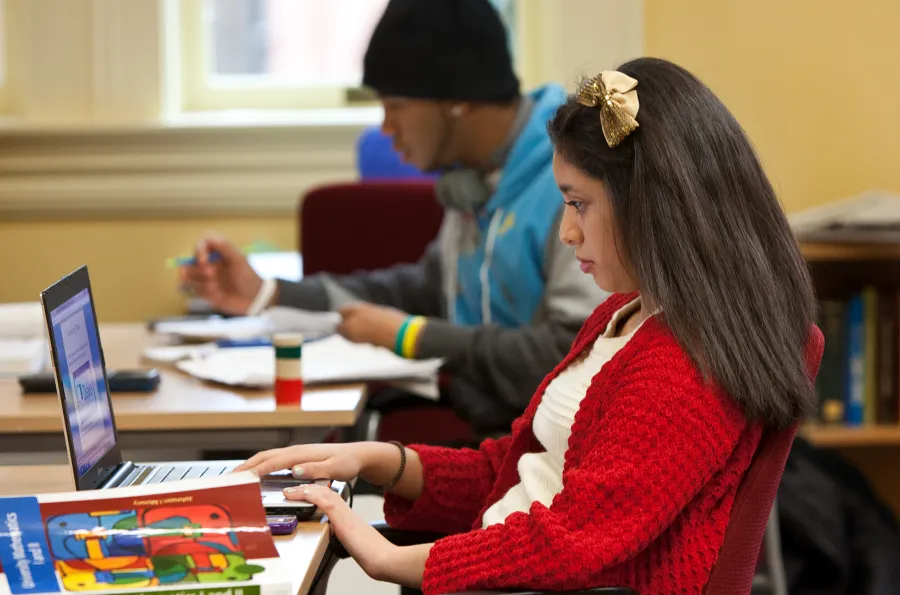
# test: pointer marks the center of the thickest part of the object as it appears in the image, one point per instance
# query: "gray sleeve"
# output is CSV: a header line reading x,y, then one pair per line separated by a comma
x,y
509,364
413,288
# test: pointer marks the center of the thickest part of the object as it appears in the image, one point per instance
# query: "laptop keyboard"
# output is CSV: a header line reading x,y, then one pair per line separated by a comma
x,y
151,474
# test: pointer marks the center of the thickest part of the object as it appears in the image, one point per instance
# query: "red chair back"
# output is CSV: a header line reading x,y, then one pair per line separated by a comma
x,y
370,226
366,225
738,556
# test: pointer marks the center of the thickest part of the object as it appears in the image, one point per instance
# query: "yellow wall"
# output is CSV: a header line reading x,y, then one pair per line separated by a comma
x,y
126,259
815,83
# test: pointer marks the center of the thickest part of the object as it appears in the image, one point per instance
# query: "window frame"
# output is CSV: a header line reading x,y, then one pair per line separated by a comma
x,y
198,93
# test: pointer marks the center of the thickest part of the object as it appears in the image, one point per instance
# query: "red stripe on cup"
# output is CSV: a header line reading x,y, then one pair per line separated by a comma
x,y
288,391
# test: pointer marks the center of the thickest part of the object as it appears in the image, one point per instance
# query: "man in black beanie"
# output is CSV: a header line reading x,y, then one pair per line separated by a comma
x,y
427,60
496,295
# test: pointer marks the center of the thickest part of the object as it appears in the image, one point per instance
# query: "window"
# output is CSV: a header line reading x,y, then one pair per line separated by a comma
x,y
307,43
280,53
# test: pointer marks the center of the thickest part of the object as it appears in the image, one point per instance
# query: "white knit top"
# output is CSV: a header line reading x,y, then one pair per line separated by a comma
x,y
540,474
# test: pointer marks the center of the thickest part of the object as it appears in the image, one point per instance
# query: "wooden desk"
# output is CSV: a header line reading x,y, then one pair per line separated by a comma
x,y
183,413
303,551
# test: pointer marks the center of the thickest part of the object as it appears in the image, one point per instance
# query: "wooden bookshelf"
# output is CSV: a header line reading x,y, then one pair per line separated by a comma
x,y
823,252
838,270
845,436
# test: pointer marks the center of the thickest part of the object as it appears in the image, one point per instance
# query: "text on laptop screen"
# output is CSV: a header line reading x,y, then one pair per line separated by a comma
x,y
81,372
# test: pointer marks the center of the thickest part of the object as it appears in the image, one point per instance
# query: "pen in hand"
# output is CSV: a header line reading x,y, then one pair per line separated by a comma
x,y
184,261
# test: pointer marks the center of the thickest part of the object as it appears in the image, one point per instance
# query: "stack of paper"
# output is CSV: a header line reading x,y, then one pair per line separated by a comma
x,y
23,348
273,320
22,356
169,354
333,360
244,327
872,217
24,320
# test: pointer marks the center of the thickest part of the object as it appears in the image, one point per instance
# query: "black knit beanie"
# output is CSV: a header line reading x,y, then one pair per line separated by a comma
x,y
440,49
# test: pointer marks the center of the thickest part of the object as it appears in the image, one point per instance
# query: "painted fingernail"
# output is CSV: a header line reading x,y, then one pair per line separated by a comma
x,y
306,492
298,470
289,490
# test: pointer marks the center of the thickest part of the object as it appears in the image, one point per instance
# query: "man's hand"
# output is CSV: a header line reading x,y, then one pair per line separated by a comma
x,y
229,283
368,323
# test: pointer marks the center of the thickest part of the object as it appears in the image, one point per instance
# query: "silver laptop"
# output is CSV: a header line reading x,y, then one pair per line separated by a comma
x,y
89,424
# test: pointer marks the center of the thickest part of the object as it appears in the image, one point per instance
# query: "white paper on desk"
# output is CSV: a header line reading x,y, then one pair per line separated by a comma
x,y
333,360
22,320
168,354
282,319
23,356
273,320
243,327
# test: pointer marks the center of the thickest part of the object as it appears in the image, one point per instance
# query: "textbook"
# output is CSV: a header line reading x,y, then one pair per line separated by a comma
x,y
197,536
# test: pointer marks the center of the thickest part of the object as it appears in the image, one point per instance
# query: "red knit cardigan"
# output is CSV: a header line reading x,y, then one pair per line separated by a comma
x,y
654,460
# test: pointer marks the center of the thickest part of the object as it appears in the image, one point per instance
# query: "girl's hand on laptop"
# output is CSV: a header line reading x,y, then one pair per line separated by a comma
x,y
376,462
342,462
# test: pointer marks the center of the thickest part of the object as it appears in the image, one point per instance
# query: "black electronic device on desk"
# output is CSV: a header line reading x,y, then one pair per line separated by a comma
x,y
119,381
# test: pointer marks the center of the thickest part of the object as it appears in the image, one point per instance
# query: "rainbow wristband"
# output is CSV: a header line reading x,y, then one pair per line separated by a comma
x,y
411,336
401,332
405,343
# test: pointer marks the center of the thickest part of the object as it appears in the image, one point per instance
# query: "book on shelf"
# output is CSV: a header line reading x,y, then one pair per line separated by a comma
x,y
197,537
859,375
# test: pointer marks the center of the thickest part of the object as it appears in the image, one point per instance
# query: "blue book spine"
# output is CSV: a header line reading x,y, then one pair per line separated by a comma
x,y
24,551
856,367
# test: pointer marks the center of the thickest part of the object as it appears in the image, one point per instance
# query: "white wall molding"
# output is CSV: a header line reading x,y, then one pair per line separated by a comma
x,y
166,172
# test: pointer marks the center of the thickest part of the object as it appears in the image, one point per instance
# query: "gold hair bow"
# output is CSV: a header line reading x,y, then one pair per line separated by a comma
x,y
615,94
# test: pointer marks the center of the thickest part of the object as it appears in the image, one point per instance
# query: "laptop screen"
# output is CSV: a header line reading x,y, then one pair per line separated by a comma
x,y
80,369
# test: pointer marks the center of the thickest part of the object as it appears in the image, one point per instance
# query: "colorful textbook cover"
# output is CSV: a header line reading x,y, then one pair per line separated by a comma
x,y
199,536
